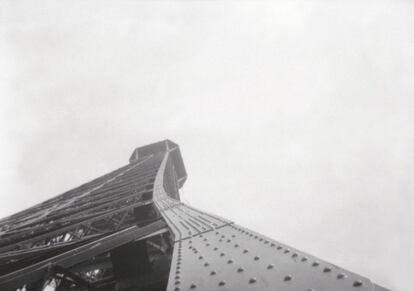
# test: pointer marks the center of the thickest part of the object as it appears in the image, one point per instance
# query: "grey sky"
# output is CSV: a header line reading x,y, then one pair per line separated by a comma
x,y
295,118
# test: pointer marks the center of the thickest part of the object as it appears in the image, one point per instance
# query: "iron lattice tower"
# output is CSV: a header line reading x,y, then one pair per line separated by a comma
x,y
128,230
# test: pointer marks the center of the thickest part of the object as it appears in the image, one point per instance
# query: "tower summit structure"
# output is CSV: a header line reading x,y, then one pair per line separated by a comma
x,y
128,230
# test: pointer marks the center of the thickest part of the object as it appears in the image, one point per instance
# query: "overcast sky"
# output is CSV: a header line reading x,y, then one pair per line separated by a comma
x,y
294,118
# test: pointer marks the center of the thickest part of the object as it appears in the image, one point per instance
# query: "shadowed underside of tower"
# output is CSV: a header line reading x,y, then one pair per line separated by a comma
x,y
128,230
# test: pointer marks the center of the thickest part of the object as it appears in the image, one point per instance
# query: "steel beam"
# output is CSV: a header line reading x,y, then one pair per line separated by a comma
x,y
211,253
69,258
69,237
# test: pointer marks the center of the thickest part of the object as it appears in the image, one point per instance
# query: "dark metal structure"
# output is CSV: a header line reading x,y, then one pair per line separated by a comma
x,y
128,230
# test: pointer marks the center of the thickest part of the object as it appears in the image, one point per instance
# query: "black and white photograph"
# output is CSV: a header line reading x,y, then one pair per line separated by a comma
x,y
206,145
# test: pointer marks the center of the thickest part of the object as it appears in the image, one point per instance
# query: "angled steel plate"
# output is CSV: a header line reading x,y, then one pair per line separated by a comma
x,y
211,253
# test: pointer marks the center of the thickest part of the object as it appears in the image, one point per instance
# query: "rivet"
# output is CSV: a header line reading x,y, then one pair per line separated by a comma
x,y
252,280
288,278
229,240
229,261
222,236
341,276
233,236
245,251
327,270
304,259
177,282
272,244
205,239
270,266
236,245
220,240
212,273
192,286
357,283
239,270
279,248
266,241
200,257
256,258
177,289
177,277
222,283
315,264
215,249
286,251
222,255
207,244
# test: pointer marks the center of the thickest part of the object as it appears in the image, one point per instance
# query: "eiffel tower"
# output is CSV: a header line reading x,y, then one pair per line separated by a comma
x,y
128,230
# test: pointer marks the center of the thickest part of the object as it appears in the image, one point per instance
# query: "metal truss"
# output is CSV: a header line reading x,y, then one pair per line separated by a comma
x,y
128,230
212,253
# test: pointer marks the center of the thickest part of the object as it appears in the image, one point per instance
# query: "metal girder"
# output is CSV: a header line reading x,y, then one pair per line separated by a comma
x,y
52,230
78,212
85,236
43,213
79,229
69,258
27,253
234,258
211,253
37,212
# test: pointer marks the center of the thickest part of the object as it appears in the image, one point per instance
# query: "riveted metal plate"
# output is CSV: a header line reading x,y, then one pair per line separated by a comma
x,y
234,258
211,253
184,221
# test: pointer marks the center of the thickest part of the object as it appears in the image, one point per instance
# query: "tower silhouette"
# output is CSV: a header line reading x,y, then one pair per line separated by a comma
x,y
128,230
